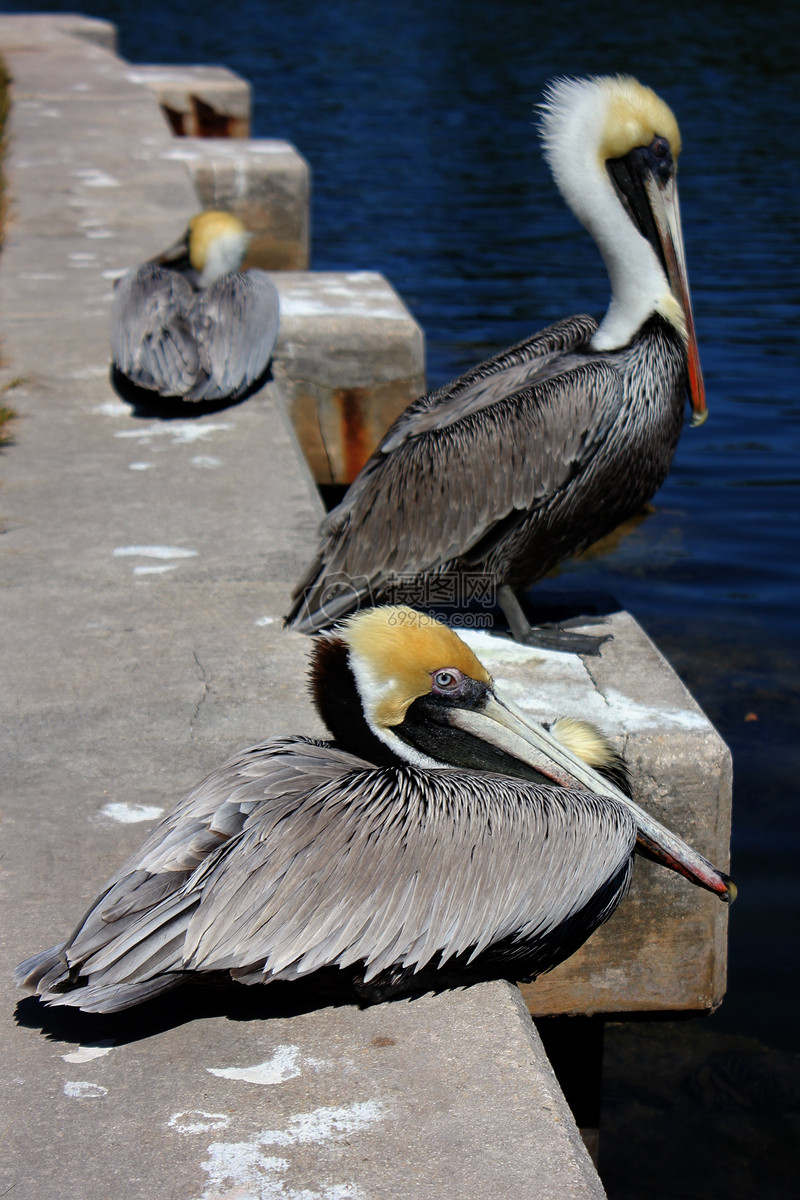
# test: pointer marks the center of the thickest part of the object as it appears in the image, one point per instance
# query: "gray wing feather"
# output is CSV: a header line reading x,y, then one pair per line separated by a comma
x,y
481,393
235,321
151,340
460,462
320,860
446,491
387,881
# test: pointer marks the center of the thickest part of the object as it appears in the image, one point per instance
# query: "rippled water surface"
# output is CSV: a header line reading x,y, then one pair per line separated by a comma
x,y
418,122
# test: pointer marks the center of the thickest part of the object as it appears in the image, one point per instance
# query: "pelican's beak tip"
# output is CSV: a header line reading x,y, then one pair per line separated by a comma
x,y
699,418
731,891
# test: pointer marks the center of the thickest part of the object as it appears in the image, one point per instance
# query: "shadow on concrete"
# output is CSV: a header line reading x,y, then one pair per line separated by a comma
x,y
147,404
191,1001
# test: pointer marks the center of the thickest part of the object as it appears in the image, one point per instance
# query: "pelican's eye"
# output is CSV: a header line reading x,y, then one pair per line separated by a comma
x,y
447,681
659,155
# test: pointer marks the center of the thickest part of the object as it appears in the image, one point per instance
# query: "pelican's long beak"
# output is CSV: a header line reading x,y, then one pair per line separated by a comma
x,y
506,728
665,208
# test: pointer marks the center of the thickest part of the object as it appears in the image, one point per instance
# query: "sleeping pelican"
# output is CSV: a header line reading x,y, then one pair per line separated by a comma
x,y
189,325
540,451
440,838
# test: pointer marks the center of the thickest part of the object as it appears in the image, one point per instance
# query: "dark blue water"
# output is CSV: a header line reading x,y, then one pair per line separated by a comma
x,y
418,122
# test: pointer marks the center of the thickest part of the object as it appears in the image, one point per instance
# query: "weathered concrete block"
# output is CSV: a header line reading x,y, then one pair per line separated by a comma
x,y
349,359
664,950
265,182
210,102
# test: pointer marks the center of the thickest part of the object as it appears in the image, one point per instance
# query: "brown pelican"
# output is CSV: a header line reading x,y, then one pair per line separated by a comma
x,y
538,452
188,324
442,837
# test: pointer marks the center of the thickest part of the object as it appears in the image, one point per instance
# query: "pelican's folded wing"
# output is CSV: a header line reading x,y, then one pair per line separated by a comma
x,y
151,341
235,322
130,943
295,856
377,871
461,467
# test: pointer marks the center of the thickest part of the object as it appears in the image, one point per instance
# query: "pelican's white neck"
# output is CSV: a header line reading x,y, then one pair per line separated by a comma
x,y
574,129
225,253
374,691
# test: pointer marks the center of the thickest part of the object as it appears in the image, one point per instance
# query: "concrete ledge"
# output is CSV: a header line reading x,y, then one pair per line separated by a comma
x,y
350,357
105,187
210,102
39,30
265,182
664,950
448,1096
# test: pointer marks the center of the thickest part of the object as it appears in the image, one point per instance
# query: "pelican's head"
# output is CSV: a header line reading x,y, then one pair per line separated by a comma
x,y
613,147
217,244
402,682
399,656
213,244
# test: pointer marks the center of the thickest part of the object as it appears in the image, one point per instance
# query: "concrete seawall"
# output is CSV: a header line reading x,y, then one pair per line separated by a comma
x,y
146,566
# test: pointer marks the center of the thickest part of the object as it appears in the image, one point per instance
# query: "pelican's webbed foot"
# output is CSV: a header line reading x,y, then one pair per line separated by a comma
x,y
552,635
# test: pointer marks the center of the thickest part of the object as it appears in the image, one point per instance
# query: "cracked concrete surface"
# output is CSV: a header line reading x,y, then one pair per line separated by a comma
x,y
203,695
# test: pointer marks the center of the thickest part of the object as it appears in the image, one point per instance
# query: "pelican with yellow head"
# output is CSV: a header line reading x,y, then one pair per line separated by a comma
x,y
441,837
189,324
542,450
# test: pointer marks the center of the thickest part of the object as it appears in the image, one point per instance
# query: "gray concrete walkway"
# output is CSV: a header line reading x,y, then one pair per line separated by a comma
x,y
145,567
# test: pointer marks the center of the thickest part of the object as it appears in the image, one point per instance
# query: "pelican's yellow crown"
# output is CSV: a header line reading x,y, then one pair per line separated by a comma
x,y
635,116
209,228
395,650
